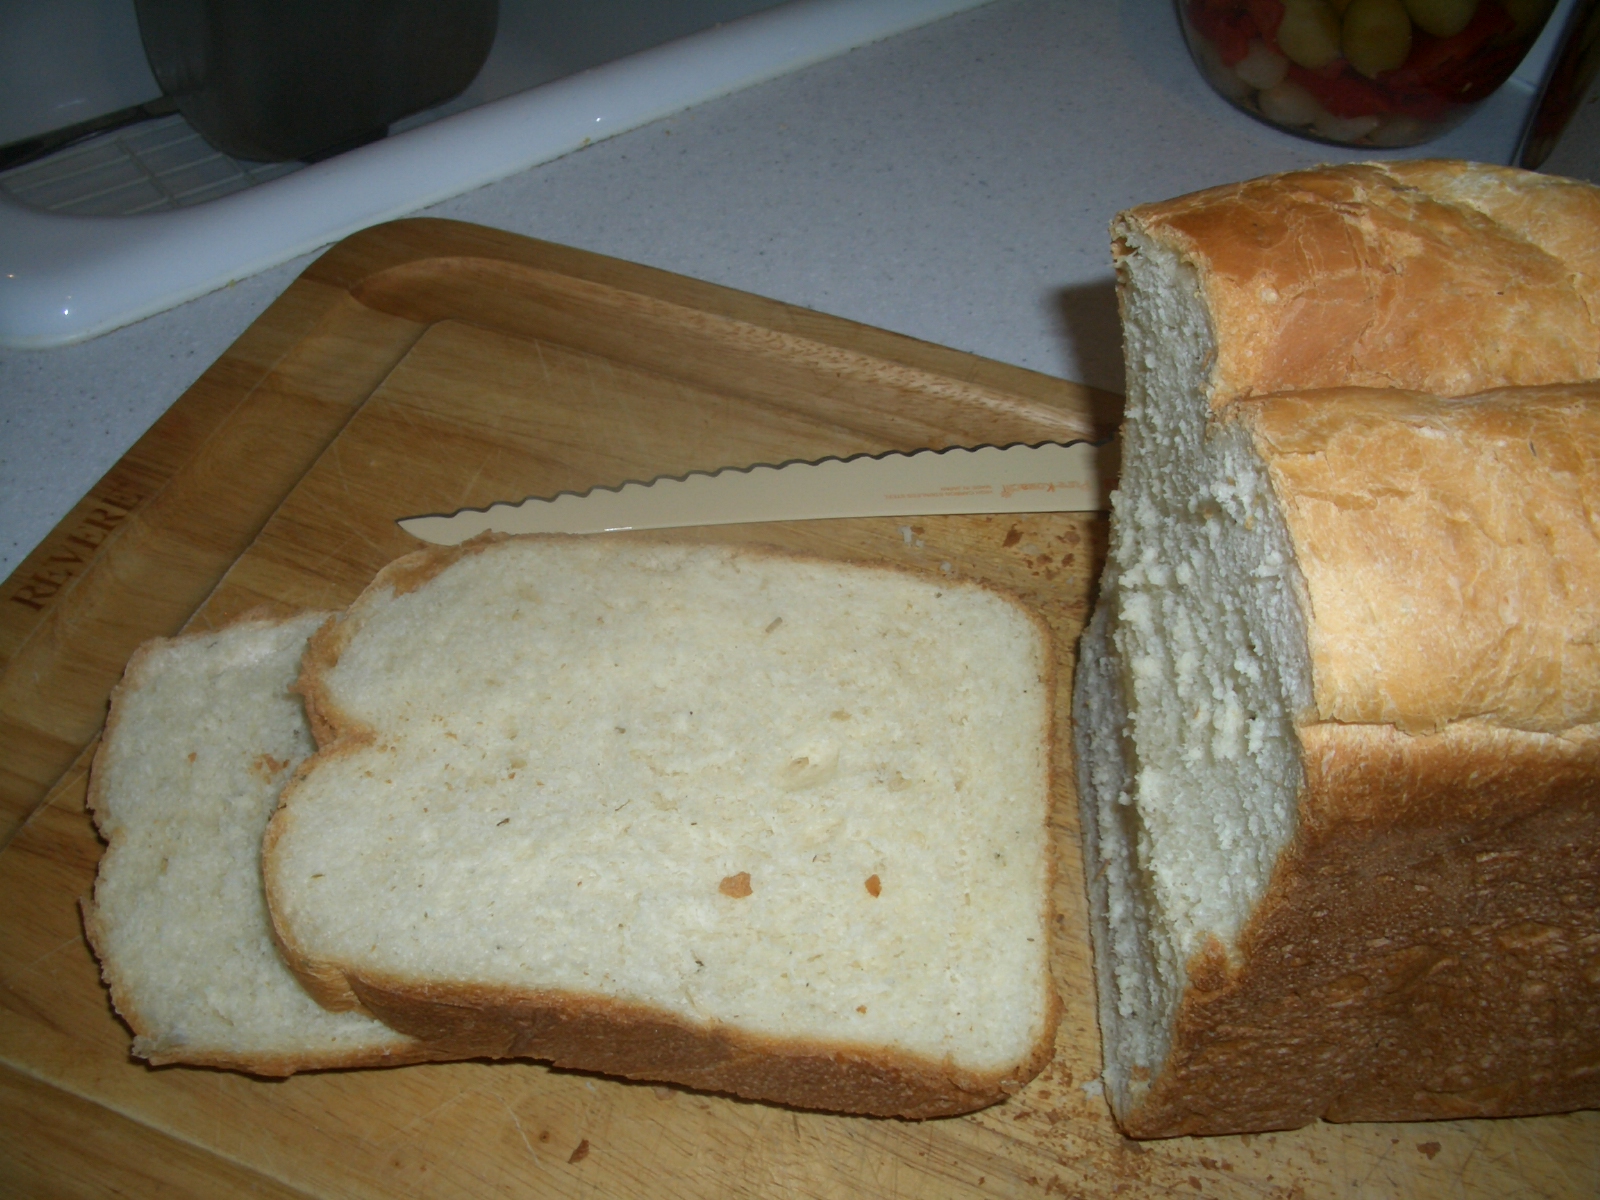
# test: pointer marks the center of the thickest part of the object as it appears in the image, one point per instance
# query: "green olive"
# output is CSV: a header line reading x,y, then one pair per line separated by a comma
x,y
1442,18
1309,33
1376,36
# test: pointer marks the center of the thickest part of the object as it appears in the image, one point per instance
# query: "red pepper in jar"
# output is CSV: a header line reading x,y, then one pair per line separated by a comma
x,y
1465,68
1341,91
1268,15
1229,25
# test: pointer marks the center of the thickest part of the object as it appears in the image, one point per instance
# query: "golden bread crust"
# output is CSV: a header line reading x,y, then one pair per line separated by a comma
x,y
1362,276
1428,948
597,1033
1449,550
1557,215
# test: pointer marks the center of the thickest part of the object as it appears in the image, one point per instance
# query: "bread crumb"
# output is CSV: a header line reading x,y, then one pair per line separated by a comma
x,y
874,885
862,1009
736,886
817,765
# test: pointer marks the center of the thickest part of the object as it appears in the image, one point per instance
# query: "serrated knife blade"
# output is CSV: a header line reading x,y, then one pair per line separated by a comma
x,y
1051,477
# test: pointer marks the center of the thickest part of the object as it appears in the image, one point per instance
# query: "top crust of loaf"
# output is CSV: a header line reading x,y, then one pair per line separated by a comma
x,y
1449,551
564,609
1317,278
1558,215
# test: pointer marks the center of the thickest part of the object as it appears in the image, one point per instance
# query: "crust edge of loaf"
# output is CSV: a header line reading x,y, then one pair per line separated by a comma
x,y
643,1043
1303,294
1398,976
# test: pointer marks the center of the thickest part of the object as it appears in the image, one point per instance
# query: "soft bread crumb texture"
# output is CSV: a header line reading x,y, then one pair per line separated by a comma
x,y
1209,673
204,733
658,775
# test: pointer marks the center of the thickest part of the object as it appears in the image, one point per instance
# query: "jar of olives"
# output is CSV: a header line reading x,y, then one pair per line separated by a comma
x,y
1360,72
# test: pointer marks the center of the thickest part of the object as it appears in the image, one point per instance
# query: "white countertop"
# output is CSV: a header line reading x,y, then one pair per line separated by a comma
x,y
953,183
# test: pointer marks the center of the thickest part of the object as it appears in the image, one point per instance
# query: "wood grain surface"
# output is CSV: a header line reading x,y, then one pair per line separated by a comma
x,y
423,366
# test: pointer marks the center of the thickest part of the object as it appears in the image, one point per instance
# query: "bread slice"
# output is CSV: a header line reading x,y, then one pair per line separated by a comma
x,y
1336,713
203,734
711,816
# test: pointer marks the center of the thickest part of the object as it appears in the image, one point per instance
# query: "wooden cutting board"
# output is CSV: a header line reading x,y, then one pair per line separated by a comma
x,y
424,366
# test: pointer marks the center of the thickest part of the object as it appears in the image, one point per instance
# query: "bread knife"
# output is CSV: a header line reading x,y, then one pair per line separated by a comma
x,y
1051,477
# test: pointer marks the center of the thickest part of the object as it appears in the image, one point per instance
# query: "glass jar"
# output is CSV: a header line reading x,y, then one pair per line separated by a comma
x,y
1360,72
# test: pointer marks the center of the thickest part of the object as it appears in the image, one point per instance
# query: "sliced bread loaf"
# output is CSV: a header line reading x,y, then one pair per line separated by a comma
x,y
203,734
1338,711
713,816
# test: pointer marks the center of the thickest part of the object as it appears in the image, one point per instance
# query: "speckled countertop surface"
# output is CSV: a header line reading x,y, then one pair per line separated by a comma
x,y
953,183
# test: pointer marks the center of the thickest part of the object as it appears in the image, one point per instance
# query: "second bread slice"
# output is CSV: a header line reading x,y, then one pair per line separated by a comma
x,y
203,735
724,818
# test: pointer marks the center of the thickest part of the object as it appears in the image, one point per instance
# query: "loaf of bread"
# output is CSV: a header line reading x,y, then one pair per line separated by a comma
x,y
1338,711
701,815
203,734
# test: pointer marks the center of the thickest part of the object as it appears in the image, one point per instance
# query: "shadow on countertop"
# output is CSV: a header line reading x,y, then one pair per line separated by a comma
x,y
1088,320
